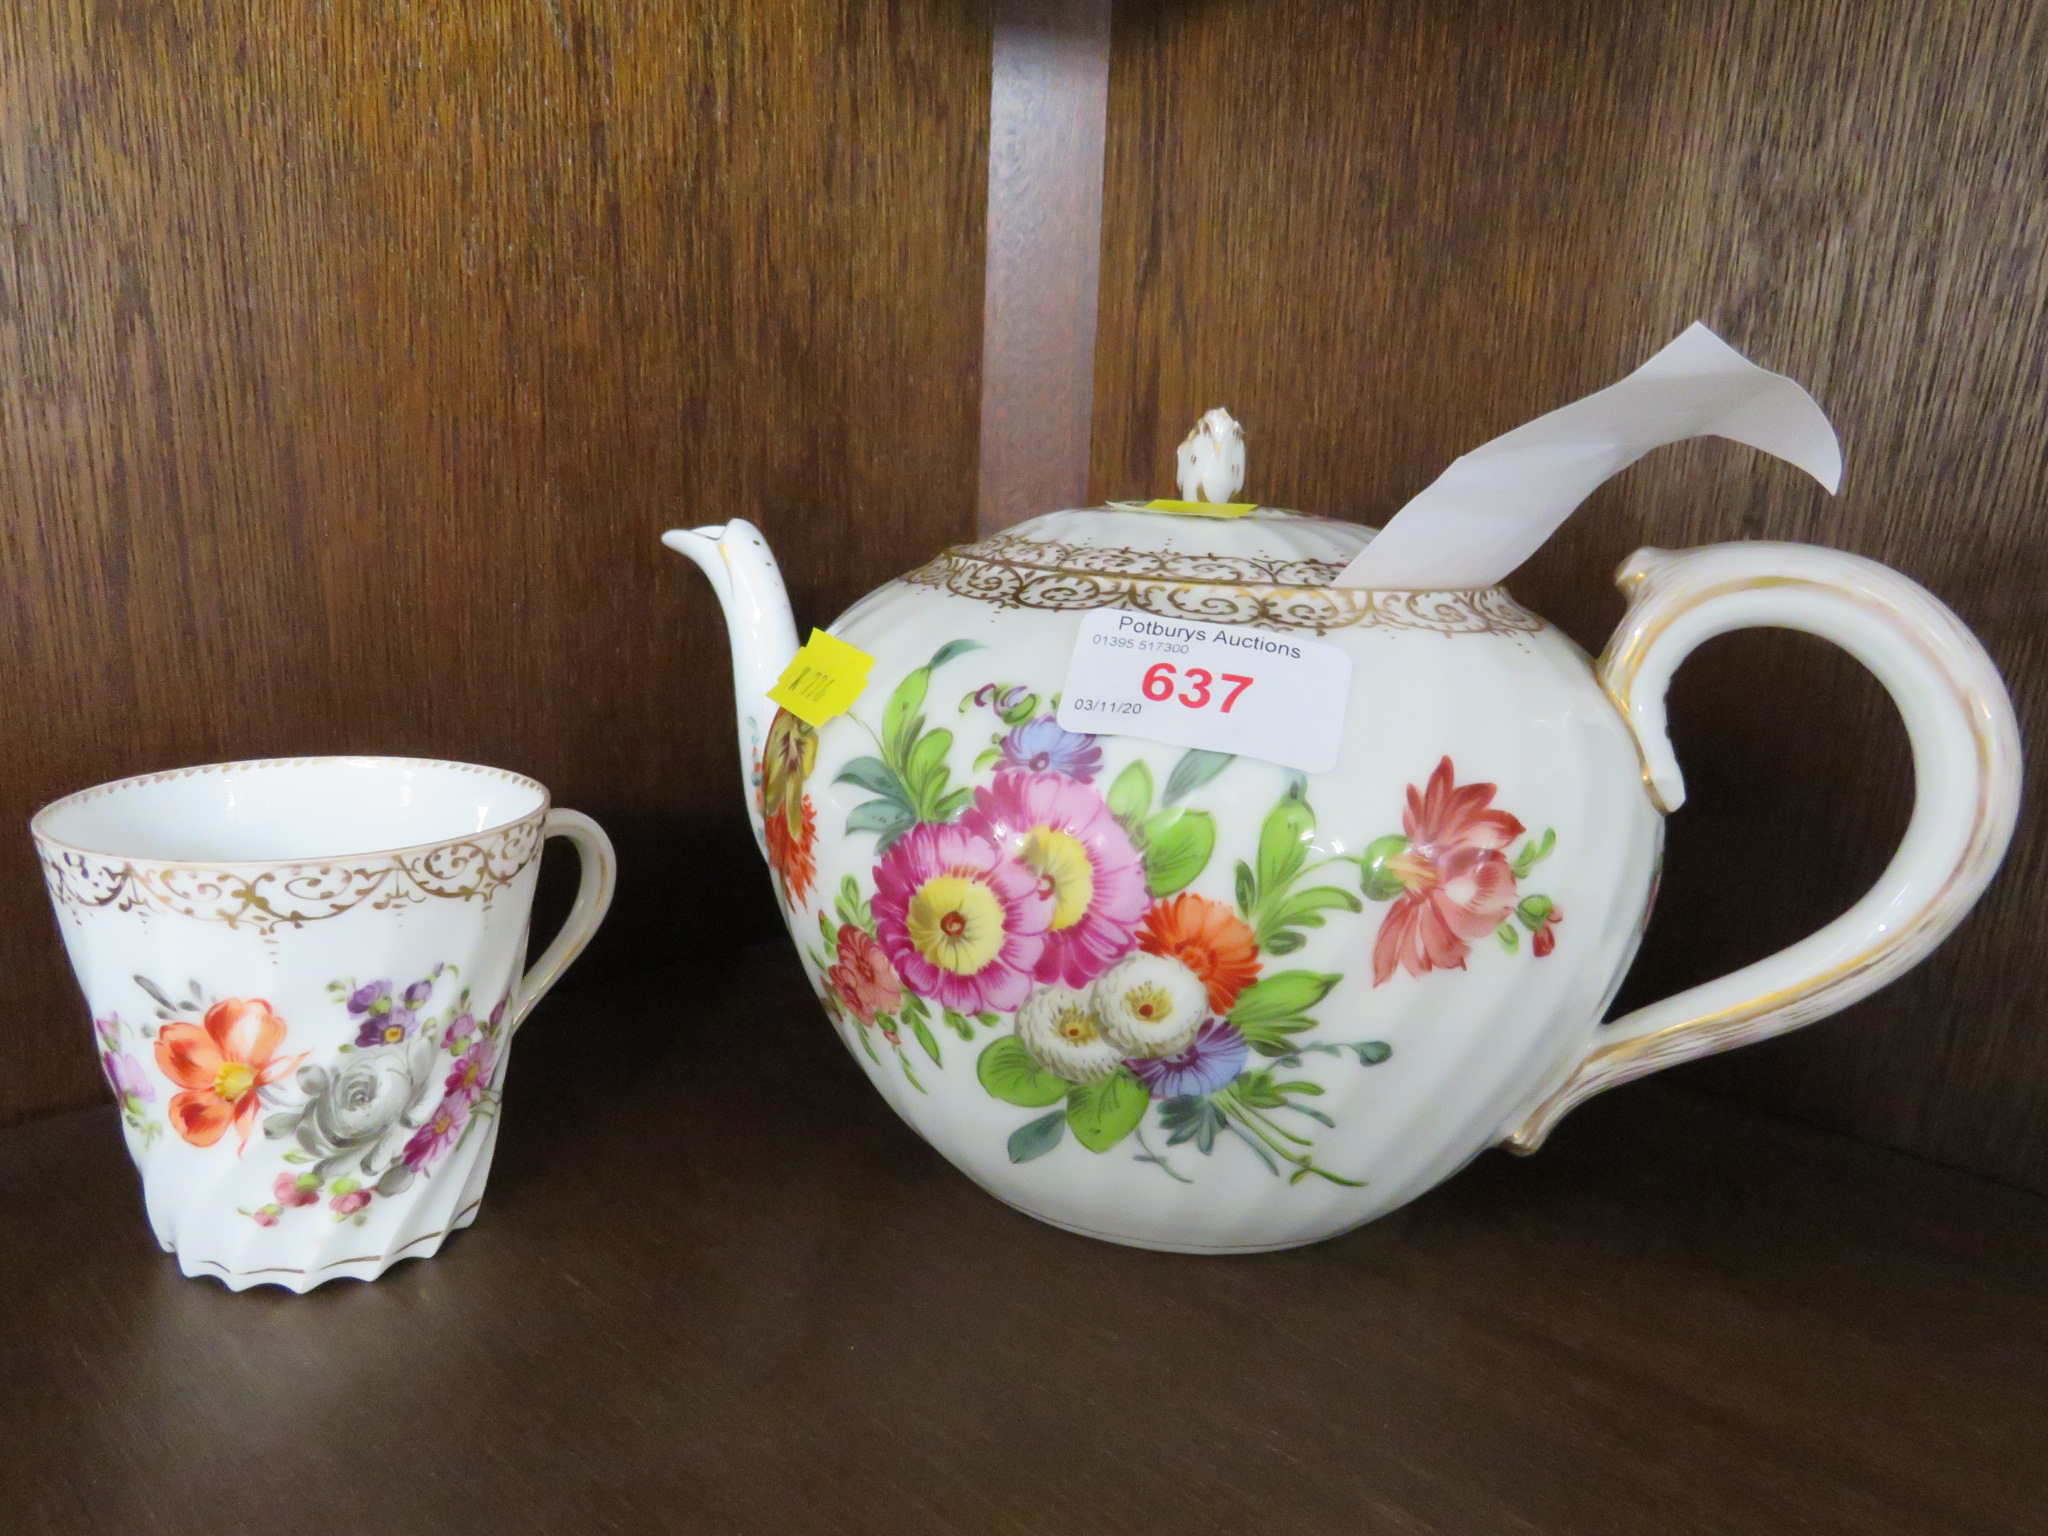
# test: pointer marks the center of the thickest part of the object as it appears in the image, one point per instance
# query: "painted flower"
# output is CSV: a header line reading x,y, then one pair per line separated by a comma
x,y
264,1215
357,1104
293,1189
1454,881
438,1134
125,1077
1062,833
1209,939
369,995
498,1015
1041,746
963,923
1059,1028
787,758
109,1031
1540,915
1151,1005
223,1066
459,1029
862,978
472,1073
348,1204
790,854
419,992
386,1026
1211,1061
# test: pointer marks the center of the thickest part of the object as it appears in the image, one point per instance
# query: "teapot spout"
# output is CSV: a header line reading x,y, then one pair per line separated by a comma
x,y
743,574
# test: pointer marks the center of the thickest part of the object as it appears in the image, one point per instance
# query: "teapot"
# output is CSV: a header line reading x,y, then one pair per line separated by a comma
x,y
1193,1000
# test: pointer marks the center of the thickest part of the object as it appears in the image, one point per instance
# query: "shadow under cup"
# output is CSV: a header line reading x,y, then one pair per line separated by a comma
x,y
303,976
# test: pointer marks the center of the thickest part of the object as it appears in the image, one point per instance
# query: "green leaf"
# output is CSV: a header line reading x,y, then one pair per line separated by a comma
x,y
1285,942
1247,889
1103,1114
1509,939
1011,1073
1534,911
900,719
1037,1138
874,775
926,771
1373,1052
1192,772
1374,878
1283,843
886,818
959,1025
991,756
831,936
949,650
1304,909
914,1007
953,804
925,1037
1020,711
990,1019
1130,796
1175,856
1285,995
1534,852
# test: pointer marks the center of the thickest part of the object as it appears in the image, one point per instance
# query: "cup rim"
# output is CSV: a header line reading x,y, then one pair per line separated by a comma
x,y
38,823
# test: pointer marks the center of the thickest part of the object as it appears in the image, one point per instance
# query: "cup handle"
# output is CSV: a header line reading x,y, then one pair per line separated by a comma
x,y
1966,770
593,900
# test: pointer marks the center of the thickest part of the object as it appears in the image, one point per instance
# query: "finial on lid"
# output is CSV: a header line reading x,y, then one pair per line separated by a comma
x,y
1210,463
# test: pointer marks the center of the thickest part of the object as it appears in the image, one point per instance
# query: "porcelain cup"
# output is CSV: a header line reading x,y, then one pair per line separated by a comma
x,y
303,976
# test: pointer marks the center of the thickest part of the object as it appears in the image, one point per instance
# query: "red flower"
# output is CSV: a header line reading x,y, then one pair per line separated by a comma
x,y
864,980
223,1067
1456,883
789,854
1208,938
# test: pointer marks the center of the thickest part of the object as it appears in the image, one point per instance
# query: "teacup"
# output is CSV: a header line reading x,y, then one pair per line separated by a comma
x,y
307,1041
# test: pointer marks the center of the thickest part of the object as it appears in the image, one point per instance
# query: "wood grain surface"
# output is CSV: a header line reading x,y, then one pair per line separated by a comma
x,y
353,357
1384,233
1050,82
718,1287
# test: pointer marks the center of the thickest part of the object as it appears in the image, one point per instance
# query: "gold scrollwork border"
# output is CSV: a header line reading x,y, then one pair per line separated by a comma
x,y
1013,572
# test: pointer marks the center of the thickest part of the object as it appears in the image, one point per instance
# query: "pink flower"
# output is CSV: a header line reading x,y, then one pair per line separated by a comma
x,y
290,1193
438,1134
962,922
264,1215
459,1029
1456,883
472,1074
350,1203
863,979
1061,831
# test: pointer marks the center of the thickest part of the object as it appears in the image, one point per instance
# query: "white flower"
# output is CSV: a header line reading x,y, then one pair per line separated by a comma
x,y
1150,1005
373,1090
1209,465
1060,1030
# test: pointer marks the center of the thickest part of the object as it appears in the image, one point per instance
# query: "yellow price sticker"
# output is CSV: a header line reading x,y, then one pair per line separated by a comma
x,y
823,679
1203,508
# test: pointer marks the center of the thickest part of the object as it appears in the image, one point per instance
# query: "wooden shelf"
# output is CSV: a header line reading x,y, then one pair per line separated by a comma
x,y
718,1287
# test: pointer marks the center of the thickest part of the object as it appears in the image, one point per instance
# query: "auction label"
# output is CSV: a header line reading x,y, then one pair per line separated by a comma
x,y
1220,687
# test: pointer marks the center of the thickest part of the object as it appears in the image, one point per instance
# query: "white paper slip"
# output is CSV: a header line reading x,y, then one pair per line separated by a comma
x,y
1220,687
1494,507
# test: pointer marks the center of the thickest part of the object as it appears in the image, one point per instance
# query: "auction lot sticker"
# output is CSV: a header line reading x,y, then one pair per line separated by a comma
x,y
1220,687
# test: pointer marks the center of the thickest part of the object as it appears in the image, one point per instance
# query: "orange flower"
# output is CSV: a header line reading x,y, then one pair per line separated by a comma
x,y
1207,938
789,853
222,1067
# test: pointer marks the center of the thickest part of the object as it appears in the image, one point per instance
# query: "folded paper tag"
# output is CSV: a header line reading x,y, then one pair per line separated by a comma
x,y
823,679
1493,508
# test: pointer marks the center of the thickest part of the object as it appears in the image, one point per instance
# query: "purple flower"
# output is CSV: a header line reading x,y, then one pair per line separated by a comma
x,y
1212,1059
387,1026
438,1134
498,1014
459,1029
109,1031
1042,747
124,1076
368,996
419,992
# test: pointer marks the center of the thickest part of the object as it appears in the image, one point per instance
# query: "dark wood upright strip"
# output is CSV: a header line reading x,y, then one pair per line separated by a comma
x,y
1050,87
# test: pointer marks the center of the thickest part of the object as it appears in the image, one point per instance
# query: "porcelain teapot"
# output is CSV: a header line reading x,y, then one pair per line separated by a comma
x,y
1199,1001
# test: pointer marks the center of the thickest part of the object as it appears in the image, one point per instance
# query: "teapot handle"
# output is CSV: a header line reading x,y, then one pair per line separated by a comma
x,y
1966,771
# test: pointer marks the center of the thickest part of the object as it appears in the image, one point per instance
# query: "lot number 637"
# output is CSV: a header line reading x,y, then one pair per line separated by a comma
x,y
1160,683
